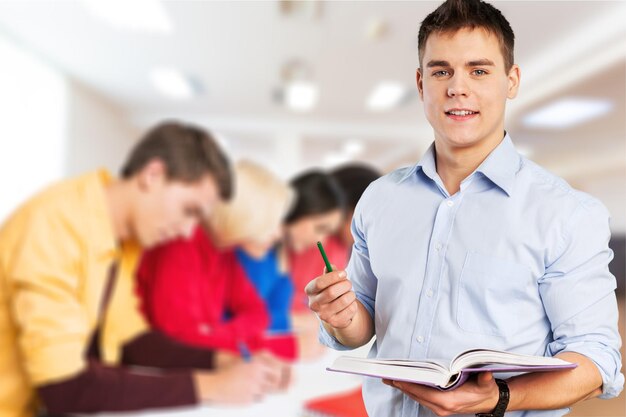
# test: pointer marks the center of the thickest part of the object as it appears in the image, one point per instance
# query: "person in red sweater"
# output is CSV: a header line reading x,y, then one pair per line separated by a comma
x,y
196,291
198,294
316,214
317,217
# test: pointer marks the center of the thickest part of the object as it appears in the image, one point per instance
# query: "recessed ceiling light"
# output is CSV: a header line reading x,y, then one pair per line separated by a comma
x,y
136,15
377,29
172,83
301,95
567,112
385,96
353,147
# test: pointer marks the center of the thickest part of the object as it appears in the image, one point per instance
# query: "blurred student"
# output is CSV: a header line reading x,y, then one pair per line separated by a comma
x,y
196,290
61,255
316,214
353,179
252,220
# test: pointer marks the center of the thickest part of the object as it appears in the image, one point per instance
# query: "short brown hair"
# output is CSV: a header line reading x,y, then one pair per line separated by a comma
x,y
454,15
188,152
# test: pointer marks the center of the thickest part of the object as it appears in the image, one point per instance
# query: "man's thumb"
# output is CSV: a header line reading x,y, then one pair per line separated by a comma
x,y
485,378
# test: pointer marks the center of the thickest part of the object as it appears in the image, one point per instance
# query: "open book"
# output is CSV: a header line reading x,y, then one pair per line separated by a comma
x,y
444,375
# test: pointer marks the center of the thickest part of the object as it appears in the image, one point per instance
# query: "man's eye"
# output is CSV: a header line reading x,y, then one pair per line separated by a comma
x,y
479,72
441,73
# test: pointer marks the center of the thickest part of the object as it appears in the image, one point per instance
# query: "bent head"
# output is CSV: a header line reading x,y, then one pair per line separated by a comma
x,y
317,212
178,173
254,216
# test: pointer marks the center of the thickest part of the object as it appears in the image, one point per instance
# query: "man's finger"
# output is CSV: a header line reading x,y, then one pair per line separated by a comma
x,y
341,318
484,379
320,283
334,292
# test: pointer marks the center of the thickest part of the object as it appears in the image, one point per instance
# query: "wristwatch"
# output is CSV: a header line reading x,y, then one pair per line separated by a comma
x,y
503,401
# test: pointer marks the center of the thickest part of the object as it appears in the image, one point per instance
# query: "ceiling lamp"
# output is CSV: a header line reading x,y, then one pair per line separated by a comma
x,y
567,112
386,96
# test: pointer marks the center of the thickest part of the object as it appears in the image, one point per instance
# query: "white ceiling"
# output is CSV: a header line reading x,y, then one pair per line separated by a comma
x,y
236,49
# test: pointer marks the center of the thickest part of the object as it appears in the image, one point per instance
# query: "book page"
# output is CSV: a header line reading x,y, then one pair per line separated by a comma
x,y
435,364
480,357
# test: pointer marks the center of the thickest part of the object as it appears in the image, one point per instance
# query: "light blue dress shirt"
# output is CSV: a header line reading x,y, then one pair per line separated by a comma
x,y
516,260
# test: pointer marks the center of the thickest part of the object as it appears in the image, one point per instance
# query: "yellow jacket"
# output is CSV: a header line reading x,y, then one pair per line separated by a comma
x,y
55,254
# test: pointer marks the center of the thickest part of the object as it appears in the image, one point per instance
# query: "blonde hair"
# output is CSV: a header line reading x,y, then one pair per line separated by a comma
x,y
258,206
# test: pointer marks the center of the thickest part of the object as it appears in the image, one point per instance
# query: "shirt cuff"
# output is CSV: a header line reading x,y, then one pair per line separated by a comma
x,y
612,378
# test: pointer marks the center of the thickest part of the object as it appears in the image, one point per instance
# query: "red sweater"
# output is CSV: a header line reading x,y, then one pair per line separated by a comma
x,y
188,287
309,264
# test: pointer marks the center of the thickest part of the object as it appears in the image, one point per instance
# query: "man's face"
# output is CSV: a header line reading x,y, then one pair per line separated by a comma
x,y
168,210
464,86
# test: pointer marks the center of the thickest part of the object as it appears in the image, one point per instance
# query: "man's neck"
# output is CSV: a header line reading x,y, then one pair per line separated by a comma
x,y
454,164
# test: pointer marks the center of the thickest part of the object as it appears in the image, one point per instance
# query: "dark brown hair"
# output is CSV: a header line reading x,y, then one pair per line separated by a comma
x,y
316,193
353,180
454,15
188,152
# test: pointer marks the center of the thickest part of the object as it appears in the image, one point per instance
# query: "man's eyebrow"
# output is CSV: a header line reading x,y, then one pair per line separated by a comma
x,y
480,63
477,63
437,64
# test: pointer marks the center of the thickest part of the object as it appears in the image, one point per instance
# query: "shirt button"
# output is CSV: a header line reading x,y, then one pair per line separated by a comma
x,y
438,247
450,203
429,293
420,339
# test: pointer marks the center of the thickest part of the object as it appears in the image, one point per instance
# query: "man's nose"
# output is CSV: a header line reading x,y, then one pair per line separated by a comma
x,y
458,87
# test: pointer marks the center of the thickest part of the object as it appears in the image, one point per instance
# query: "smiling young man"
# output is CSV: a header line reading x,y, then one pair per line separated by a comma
x,y
67,262
476,247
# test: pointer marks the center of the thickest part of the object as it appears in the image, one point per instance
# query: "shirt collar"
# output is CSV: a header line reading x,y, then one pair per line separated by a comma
x,y
427,164
499,167
502,165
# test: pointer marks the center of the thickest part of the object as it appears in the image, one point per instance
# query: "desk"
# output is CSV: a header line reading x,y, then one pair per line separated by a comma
x,y
311,380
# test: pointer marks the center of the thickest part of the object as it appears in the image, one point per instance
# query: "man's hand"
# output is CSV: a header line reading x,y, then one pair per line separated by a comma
x,y
478,395
332,299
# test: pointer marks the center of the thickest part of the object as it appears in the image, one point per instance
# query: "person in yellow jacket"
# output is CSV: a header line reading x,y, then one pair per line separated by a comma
x,y
67,259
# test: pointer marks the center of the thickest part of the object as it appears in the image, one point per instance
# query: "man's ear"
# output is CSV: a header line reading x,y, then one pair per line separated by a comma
x,y
419,79
514,78
151,175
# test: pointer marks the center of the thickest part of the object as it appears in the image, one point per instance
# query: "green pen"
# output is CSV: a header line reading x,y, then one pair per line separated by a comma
x,y
321,248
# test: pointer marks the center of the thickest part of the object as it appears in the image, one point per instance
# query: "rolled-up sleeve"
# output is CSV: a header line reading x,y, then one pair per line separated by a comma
x,y
359,272
578,293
